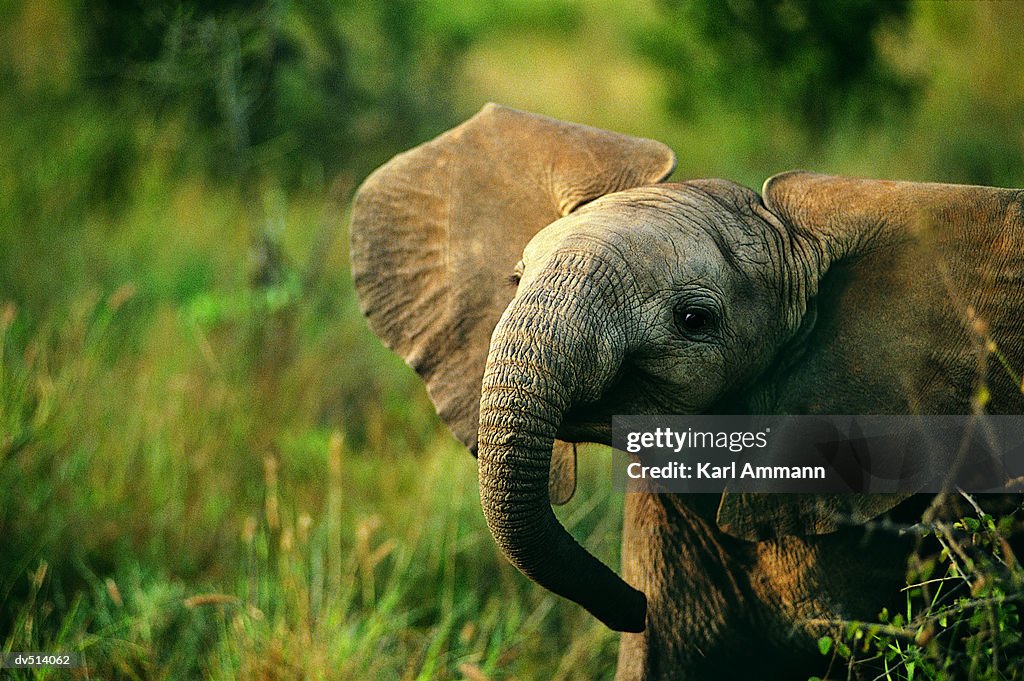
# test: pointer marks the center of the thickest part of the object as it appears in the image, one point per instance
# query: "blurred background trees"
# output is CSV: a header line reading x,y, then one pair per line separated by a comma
x,y
814,62
299,97
293,93
181,353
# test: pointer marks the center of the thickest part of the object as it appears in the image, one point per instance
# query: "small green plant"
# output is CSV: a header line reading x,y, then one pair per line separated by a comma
x,y
965,589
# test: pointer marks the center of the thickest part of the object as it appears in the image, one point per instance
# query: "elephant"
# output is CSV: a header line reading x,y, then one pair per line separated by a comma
x,y
542,276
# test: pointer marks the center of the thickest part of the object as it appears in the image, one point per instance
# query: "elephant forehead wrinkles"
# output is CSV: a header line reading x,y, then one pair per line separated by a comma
x,y
684,212
632,233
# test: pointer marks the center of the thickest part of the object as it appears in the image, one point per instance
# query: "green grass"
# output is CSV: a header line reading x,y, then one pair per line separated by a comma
x,y
226,481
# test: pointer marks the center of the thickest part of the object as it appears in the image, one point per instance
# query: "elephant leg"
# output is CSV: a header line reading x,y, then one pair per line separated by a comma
x,y
710,607
671,553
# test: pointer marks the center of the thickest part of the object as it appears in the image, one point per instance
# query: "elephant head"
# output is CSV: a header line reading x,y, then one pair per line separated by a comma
x,y
540,277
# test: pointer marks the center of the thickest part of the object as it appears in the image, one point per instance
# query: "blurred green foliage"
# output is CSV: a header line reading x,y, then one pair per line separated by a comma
x,y
299,90
181,352
815,61
275,86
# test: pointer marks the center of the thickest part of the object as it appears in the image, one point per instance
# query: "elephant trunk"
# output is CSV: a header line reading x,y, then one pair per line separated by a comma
x,y
545,359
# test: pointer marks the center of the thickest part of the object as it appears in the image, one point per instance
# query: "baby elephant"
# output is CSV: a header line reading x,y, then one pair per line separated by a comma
x,y
541,277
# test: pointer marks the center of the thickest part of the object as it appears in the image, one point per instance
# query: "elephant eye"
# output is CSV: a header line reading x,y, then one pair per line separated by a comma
x,y
517,274
693,319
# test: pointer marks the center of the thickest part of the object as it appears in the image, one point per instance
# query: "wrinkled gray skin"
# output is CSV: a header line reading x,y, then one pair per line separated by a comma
x,y
598,313
828,296
595,330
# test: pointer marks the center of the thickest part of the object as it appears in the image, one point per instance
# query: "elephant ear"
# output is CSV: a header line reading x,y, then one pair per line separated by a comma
x,y
927,240
437,232
562,478
757,517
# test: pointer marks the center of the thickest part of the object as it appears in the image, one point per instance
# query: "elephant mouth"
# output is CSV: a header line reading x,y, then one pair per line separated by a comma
x,y
592,421
585,430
